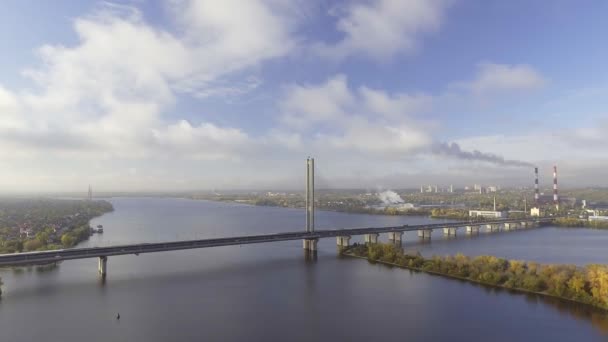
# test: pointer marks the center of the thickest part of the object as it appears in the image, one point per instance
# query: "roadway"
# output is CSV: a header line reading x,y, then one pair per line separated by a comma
x,y
92,252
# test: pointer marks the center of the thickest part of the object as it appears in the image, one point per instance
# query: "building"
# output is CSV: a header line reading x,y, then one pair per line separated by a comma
x,y
535,211
487,213
598,218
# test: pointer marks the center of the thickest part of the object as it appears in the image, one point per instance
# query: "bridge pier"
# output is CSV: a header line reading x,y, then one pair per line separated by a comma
x,y
492,227
524,224
395,236
472,229
343,241
102,266
310,244
511,226
450,231
425,233
371,238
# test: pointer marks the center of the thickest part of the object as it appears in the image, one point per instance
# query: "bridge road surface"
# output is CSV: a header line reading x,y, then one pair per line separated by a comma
x,y
28,258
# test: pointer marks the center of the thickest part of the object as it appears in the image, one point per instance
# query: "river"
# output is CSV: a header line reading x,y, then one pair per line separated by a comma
x,y
270,292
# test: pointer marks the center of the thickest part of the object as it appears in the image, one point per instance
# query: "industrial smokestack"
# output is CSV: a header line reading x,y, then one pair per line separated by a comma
x,y
555,197
536,194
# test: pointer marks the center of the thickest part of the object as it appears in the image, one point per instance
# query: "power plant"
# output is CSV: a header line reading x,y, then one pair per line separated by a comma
x,y
545,199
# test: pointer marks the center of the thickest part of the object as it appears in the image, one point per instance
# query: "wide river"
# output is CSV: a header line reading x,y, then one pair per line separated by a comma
x,y
270,292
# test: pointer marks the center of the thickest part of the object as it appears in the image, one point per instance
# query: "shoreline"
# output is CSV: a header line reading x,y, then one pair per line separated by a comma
x,y
472,281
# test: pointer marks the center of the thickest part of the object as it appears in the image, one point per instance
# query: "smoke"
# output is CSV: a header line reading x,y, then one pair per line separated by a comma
x,y
390,197
454,150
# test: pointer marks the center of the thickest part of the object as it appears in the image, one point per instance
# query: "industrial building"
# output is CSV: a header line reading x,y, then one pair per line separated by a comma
x,y
535,211
598,218
487,213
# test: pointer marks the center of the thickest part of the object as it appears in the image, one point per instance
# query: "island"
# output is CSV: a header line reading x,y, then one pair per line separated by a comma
x,y
586,285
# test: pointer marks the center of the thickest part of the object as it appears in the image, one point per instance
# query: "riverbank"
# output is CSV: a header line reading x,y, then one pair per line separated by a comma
x,y
585,285
580,223
38,224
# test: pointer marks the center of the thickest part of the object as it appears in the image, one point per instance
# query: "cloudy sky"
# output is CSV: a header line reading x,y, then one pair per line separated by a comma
x,y
197,94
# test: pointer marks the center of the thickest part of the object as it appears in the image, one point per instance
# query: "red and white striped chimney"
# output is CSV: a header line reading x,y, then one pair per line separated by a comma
x,y
555,198
536,194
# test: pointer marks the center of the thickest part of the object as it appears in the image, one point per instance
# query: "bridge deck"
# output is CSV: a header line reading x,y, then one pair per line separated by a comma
x,y
91,252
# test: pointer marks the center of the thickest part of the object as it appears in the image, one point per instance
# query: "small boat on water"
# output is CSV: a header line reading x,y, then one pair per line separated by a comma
x,y
100,230
99,226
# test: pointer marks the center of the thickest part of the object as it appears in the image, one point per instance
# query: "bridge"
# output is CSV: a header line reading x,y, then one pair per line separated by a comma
x,y
309,237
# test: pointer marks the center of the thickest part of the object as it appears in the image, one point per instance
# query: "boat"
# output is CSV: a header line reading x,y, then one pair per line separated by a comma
x,y
99,226
100,230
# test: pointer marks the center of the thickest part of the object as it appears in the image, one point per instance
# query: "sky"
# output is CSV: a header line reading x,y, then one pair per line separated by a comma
x,y
148,95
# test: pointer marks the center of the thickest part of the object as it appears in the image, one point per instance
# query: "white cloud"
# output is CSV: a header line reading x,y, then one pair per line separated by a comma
x,y
206,141
494,78
364,120
379,29
305,104
109,93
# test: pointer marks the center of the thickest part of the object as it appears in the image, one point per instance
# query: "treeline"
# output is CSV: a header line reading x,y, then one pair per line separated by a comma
x,y
576,222
588,285
461,214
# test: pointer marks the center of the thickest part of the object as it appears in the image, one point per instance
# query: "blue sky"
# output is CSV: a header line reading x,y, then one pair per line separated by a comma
x,y
184,94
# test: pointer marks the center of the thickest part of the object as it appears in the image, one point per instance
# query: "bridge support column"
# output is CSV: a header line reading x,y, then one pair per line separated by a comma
x,y
425,233
533,224
102,265
472,229
310,244
343,241
524,224
371,238
492,227
510,226
450,231
395,236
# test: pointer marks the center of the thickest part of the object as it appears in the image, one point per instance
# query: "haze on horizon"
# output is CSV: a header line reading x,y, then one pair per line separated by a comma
x,y
184,94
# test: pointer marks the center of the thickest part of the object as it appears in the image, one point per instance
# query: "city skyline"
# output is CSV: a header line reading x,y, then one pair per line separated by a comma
x,y
384,94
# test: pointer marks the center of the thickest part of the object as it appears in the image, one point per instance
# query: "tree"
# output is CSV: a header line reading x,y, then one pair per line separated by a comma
x,y
67,240
32,245
43,237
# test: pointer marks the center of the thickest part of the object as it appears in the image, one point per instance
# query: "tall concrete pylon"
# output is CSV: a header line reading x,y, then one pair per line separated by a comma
x,y
310,244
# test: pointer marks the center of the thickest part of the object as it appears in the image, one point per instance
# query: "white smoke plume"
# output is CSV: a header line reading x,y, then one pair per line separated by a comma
x,y
390,197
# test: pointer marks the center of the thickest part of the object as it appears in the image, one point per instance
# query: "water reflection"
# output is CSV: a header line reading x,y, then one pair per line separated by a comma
x,y
597,317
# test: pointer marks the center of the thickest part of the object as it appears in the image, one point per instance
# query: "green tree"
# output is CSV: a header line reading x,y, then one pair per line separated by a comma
x,y
32,245
67,240
43,237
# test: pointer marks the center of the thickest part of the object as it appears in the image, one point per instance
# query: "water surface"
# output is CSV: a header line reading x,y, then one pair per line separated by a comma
x,y
271,292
